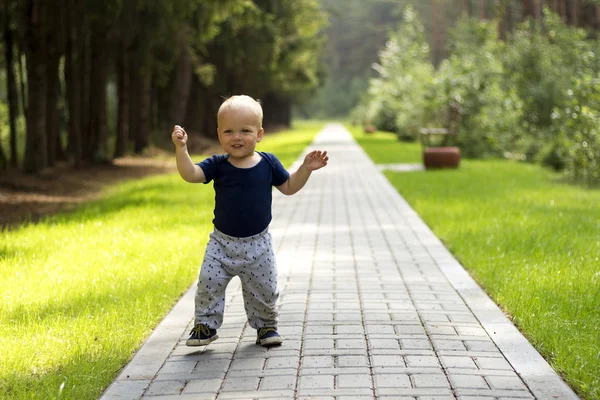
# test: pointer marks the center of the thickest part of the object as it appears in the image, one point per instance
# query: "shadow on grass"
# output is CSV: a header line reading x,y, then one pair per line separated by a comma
x,y
163,196
86,366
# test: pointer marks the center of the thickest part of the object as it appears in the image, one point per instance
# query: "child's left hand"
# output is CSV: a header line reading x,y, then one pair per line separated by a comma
x,y
316,159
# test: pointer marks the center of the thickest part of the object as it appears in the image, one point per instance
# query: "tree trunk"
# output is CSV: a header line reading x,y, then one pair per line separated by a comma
x,y
144,100
97,143
123,90
36,151
52,127
538,8
194,120
436,33
86,83
482,10
54,49
468,7
22,79
134,100
528,9
73,84
502,20
574,12
141,84
181,86
11,85
563,10
277,110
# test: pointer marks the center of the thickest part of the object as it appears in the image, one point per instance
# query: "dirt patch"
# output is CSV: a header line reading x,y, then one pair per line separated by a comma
x,y
29,197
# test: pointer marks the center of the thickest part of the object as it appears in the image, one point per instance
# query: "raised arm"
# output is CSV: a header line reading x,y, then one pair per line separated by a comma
x,y
313,161
189,171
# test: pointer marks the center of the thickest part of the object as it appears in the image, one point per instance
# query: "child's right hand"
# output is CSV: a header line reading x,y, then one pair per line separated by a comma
x,y
179,136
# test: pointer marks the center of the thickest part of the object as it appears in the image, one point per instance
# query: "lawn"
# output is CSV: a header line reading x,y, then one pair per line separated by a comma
x,y
81,291
530,239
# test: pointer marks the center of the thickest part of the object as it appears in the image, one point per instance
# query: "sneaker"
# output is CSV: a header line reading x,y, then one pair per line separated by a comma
x,y
268,337
201,335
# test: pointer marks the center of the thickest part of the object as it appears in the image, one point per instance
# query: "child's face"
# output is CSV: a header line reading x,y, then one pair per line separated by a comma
x,y
239,130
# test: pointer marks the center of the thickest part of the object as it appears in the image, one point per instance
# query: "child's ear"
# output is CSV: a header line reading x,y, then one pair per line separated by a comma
x,y
260,135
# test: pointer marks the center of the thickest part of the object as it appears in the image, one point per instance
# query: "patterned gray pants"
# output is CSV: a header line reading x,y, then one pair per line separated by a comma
x,y
252,260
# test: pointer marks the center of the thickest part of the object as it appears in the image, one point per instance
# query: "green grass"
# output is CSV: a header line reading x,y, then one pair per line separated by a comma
x,y
81,291
385,147
530,240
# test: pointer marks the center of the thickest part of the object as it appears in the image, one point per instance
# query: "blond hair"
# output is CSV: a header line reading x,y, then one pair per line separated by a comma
x,y
239,102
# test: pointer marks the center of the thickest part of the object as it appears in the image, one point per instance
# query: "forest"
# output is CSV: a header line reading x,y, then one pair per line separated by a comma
x,y
513,79
88,81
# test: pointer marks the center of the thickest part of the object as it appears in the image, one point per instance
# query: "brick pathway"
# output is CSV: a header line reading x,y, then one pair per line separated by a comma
x,y
372,306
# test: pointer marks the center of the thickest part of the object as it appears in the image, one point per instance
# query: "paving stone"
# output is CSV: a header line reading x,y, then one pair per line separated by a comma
x,y
352,361
354,381
203,386
416,344
316,382
278,382
506,382
421,361
282,362
254,363
239,384
410,329
438,380
317,362
161,388
387,361
486,345
311,344
257,395
467,381
456,345
392,381
178,367
350,344
349,329
458,362
318,329
492,363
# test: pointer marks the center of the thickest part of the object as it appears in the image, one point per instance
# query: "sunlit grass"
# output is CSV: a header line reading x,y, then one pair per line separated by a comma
x,y
386,148
531,241
81,291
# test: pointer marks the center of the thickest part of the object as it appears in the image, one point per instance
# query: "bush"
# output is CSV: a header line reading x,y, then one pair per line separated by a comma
x,y
578,125
471,82
539,63
396,98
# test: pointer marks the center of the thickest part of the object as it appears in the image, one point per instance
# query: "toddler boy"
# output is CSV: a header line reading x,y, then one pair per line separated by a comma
x,y
240,244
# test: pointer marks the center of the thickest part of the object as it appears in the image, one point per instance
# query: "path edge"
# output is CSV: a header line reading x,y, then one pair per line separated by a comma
x,y
136,376
541,379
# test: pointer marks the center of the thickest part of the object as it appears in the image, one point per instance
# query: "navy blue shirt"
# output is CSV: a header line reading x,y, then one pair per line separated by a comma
x,y
243,196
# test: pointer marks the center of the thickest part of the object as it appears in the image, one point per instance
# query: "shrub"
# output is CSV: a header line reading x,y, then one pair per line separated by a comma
x,y
396,98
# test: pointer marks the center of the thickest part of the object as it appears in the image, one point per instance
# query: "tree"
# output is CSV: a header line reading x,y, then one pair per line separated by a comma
x,y
36,27
11,84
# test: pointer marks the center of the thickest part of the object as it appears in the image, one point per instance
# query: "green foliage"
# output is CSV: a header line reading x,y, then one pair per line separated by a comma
x,y
534,97
577,142
277,44
395,100
469,85
540,61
